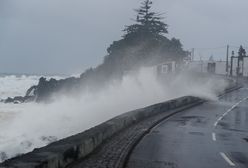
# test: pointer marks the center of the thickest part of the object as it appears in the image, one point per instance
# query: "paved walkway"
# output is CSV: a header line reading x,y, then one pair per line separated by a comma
x,y
114,152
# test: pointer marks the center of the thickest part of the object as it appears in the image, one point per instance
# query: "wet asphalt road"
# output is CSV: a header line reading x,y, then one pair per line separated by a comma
x,y
212,135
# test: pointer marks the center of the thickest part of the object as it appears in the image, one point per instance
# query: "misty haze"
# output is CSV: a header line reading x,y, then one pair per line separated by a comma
x,y
144,83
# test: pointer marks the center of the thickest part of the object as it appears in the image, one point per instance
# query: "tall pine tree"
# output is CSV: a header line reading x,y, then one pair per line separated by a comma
x,y
144,43
147,22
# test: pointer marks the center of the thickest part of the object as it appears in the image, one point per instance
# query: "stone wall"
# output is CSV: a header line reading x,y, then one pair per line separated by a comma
x,y
61,153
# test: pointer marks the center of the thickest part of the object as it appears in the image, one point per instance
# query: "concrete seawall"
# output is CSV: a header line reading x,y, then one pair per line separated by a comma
x,y
61,153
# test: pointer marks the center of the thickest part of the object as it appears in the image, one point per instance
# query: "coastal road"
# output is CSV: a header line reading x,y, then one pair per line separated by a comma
x,y
212,135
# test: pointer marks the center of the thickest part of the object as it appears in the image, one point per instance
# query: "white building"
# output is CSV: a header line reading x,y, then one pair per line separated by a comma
x,y
218,67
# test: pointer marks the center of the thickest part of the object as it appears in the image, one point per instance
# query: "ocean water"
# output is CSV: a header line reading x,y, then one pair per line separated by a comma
x,y
16,85
24,127
12,85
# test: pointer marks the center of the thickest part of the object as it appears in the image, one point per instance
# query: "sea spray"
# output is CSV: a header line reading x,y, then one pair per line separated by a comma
x,y
35,125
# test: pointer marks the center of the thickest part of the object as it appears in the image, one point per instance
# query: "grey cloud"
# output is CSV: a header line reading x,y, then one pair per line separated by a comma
x,y
61,36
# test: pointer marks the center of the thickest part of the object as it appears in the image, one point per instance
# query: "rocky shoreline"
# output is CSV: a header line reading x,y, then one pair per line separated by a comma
x,y
44,90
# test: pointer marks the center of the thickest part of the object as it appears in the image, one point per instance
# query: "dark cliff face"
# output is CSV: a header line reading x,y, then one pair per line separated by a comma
x,y
47,88
44,91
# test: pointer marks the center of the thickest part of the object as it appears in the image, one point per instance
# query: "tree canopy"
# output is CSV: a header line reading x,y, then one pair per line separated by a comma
x,y
147,22
144,42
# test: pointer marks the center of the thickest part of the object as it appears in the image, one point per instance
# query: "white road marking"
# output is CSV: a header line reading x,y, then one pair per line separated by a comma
x,y
224,156
229,110
227,159
220,118
213,136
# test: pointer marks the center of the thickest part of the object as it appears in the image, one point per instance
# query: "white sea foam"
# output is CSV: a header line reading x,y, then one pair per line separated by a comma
x,y
27,126
12,85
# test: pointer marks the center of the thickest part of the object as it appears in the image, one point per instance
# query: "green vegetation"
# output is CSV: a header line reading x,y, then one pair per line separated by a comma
x,y
143,44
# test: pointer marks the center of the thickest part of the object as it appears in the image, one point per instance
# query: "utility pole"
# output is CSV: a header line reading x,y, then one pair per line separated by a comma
x,y
231,70
192,54
227,59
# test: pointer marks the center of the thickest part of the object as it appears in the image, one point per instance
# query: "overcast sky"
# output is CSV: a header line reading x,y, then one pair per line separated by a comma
x,y
68,36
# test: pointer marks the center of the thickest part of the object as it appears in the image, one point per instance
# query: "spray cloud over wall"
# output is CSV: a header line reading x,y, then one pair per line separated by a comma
x,y
36,125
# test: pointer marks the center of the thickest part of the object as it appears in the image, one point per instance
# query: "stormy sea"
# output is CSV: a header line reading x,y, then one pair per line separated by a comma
x,y
12,85
25,126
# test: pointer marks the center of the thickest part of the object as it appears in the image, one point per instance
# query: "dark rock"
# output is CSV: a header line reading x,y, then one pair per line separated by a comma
x,y
48,88
3,156
45,89
31,91
9,100
19,99
29,99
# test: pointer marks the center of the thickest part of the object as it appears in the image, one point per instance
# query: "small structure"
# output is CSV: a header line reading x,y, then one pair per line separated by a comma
x,y
211,67
166,67
239,61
